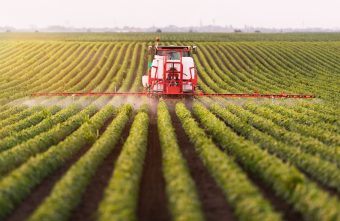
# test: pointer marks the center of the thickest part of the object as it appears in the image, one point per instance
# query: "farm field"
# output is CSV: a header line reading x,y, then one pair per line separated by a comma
x,y
139,158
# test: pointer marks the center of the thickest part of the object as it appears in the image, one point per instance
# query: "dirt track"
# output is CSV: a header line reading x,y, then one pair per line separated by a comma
x,y
213,202
40,192
86,210
152,195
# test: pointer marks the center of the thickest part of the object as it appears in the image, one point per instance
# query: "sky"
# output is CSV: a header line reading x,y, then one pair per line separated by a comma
x,y
147,13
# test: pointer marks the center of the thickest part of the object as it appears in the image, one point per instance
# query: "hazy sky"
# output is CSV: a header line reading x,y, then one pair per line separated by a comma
x,y
145,13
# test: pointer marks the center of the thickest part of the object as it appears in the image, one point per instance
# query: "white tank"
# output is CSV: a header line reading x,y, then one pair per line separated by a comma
x,y
188,62
157,71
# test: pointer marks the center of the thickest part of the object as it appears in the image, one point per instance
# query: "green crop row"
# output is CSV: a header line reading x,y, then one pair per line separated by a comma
x,y
18,184
120,197
306,144
243,196
181,190
33,131
18,87
15,156
57,78
329,138
304,118
16,114
32,120
321,170
92,70
114,69
104,69
66,194
288,182
8,111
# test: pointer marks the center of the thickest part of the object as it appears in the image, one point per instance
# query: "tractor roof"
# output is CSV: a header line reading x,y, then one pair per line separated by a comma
x,y
160,47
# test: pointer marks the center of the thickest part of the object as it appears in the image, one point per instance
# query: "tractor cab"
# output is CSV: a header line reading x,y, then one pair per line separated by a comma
x,y
172,70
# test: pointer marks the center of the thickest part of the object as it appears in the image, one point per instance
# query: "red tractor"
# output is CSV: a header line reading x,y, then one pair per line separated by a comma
x,y
172,70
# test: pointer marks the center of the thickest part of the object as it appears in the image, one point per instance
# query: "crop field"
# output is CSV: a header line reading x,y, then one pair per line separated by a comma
x,y
140,158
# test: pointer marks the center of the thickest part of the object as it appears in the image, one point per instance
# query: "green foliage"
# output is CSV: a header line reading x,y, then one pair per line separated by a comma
x,y
242,195
329,138
17,155
284,179
120,197
33,131
321,170
32,120
12,119
306,144
67,193
18,184
181,191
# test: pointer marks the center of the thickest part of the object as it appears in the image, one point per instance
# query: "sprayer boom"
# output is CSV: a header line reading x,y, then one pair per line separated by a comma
x,y
158,94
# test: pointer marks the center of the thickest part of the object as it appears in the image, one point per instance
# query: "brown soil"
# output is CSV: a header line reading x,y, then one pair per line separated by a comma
x,y
119,63
238,58
100,78
86,210
40,192
278,204
80,60
199,75
136,67
214,204
152,202
214,52
330,190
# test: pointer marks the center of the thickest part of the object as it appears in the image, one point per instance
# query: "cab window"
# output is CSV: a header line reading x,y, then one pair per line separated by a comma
x,y
174,55
186,54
